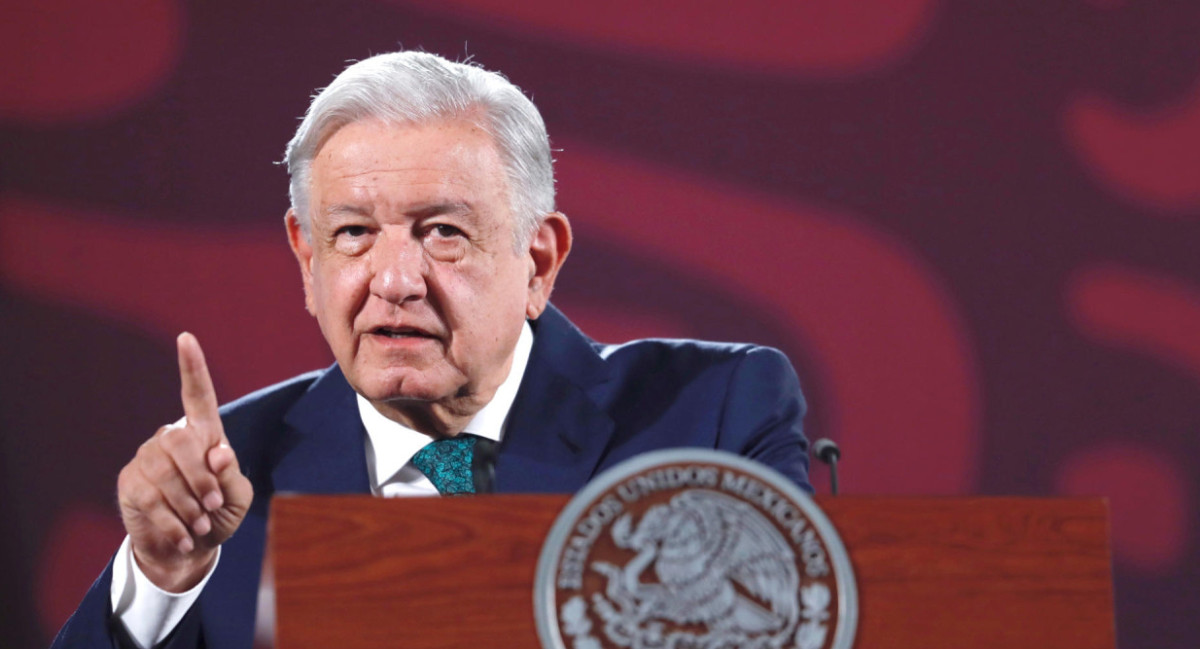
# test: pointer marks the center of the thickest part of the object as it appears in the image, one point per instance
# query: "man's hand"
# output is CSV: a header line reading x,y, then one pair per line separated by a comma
x,y
183,494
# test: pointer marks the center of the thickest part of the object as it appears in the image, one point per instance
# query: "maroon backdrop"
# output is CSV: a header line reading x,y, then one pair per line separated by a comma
x,y
973,227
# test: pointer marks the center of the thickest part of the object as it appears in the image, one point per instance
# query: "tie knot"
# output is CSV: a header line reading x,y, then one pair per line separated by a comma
x,y
447,463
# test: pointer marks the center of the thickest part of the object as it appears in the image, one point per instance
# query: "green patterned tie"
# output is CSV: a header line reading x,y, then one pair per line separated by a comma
x,y
447,464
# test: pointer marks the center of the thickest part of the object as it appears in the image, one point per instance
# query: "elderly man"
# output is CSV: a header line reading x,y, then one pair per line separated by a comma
x,y
423,221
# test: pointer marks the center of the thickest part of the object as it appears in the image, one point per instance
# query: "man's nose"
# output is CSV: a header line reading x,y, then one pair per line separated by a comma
x,y
398,267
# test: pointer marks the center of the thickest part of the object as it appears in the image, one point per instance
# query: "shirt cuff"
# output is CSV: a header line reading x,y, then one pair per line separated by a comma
x,y
148,612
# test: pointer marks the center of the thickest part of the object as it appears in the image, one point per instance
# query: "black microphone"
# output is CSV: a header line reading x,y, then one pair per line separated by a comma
x,y
828,452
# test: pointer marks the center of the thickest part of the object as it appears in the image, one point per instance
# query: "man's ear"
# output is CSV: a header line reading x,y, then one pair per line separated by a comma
x,y
547,251
302,248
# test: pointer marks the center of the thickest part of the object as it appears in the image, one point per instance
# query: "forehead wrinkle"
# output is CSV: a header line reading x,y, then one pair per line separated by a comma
x,y
346,208
394,170
446,181
418,209
371,193
436,207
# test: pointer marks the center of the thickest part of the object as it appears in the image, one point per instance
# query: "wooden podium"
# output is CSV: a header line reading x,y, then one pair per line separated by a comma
x,y
364,573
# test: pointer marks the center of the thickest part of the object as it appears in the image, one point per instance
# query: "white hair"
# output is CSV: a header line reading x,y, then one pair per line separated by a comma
x,y
418,88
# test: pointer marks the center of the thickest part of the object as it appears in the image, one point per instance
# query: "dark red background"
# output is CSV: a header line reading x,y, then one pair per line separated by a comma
x,y
972,225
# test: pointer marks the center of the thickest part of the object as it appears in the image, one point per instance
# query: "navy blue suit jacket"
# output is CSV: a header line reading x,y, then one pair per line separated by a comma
x,y
582,407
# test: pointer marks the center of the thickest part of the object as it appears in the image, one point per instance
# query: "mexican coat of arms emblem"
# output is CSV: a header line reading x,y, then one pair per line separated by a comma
x,y
694,549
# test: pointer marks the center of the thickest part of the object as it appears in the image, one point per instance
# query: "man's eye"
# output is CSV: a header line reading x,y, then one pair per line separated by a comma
x,y
446,231
351,231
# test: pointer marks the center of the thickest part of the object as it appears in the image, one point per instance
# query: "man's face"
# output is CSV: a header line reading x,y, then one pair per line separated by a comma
x,y
410,267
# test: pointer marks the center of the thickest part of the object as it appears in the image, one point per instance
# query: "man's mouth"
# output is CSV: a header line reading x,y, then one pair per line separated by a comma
x,y
401,332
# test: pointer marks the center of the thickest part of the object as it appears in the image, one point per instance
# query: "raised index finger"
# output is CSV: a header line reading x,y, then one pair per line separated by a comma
x,y
197,392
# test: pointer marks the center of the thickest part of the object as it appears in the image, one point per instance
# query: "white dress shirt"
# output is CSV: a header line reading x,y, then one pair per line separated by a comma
x,y
150,613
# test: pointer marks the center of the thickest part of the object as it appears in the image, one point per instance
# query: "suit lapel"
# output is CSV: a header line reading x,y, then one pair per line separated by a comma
x,y
324,451
558,428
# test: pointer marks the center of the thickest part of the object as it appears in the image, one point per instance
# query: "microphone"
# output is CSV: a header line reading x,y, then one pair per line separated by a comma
x,y
828,452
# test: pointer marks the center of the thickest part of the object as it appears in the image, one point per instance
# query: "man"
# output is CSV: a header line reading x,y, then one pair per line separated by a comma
x,y
424,225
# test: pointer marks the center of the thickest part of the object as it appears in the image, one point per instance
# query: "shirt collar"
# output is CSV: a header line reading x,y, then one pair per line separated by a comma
x,y
390,445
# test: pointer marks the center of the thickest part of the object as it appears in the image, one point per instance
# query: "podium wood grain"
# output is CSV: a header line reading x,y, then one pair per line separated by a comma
x,y
366,573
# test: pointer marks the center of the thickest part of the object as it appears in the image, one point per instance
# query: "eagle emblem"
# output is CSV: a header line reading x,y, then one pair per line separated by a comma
x,y
714,562
709,554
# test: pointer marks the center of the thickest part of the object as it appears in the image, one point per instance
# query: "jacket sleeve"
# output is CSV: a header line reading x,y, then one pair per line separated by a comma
x,y
763,413
90,624
93,625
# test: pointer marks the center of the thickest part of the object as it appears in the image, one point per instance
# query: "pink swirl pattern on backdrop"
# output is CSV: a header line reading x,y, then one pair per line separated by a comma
x,y
1151,157
814,37
68,60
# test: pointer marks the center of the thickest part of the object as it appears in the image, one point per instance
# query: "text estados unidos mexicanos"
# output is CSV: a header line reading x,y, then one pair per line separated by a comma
x,y
574,555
